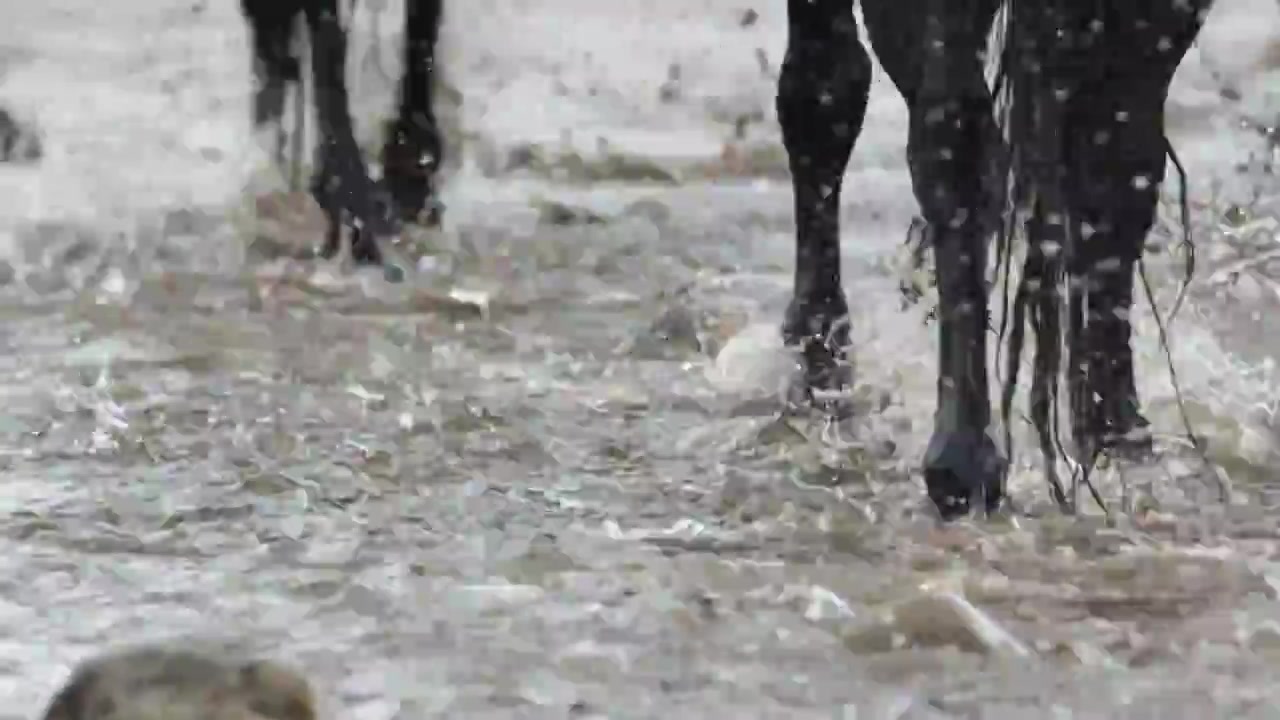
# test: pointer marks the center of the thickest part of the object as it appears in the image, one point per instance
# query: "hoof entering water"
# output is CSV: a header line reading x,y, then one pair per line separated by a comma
x,y
368,253
365,250
821,339
821,381
964,470
1135,444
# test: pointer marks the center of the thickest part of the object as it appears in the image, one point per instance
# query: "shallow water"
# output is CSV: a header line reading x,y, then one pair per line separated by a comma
x,y
545,477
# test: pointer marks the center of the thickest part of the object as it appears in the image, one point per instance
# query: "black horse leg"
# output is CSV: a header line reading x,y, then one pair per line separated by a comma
x,y
274,66
822,100
933,51
1116,150
342,185
1039,291
413,150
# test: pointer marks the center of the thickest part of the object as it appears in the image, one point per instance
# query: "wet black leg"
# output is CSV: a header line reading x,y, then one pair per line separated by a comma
x,y
1040,291
342,185
822,100
933,52
274,66
1116,163
412,154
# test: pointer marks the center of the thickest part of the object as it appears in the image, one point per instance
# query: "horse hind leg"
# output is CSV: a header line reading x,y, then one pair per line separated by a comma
x,y
1117,150
1105,409
342,185
1115,163
821,104
274,66
413,151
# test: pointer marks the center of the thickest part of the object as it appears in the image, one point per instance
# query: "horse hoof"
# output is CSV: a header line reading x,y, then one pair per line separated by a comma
x,y
963,470
827,374
365,251
432,216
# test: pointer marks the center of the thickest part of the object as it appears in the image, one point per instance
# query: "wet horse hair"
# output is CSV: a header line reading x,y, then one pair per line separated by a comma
x,y
1067,151
1081,89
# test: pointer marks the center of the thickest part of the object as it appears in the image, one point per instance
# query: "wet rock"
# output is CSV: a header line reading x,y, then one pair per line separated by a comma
x,y
672,334
1084,654
542,558
615,166
754,363
1265,638
655,211
947,618
573,166
19,141
560,214
190,222
58,245
164,683
826,605
937,619
543,688
288,225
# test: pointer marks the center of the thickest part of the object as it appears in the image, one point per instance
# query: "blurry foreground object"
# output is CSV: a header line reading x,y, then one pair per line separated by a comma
x,y
166,683
19,142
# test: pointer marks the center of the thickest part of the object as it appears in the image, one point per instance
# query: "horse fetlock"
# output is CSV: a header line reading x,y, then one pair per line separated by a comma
x,y
1107,418
964,470
343,189
411,158
825,319
820,330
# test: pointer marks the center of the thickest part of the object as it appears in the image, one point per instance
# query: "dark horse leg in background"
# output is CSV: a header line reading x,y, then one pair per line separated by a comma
x,y
341,185
932,50
275,68
1097,75
413,151
1116,164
